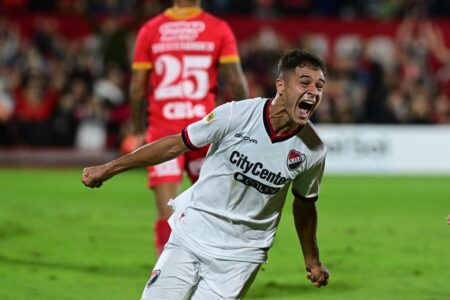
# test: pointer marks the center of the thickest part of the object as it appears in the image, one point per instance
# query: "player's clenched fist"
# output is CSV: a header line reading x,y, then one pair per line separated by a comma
x,y
93,177
318,275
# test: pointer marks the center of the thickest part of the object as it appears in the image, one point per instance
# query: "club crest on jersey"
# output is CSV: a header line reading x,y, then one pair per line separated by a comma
x,y
210,117
155,274
295,159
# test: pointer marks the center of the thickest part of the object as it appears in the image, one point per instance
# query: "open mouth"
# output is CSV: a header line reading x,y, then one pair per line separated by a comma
x,y
306,105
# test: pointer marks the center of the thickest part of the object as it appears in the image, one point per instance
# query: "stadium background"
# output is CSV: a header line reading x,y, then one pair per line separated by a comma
x,y
64,74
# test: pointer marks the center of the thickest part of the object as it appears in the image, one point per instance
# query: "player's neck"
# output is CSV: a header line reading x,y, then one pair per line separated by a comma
x,y
183,12
279,119
186,3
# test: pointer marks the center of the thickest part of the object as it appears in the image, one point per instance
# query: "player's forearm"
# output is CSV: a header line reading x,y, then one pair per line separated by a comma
x,y
305,218
138,94
138,112
239,91
239,86
237,81
150,154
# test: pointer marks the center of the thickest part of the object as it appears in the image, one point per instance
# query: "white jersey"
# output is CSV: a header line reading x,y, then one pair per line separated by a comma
x,y
234,208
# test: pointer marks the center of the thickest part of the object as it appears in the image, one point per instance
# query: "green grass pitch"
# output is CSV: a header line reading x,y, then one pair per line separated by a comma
x,y
381,238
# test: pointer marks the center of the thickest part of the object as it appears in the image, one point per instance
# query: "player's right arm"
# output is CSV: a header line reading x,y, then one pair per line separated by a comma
x,y
139,86
230,64
150,154
138,94
236,79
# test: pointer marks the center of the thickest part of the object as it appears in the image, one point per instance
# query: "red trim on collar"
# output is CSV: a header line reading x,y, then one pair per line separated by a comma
x,y
274,137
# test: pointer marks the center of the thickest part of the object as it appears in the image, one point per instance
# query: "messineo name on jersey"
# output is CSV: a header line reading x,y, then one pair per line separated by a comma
x,y
241,160
183,46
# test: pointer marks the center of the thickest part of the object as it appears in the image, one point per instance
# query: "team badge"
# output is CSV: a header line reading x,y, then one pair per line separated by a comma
x,y
153,277
209,118
295,159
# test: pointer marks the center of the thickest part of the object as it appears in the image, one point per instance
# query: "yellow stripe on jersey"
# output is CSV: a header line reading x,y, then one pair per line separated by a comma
x,y
229,59
183,12
141,66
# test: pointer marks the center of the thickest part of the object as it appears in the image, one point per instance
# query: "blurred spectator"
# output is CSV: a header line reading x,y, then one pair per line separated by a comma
x,y
113,42
111,7
6,112
41,5
265,46
9,42
11,6
109,92
35,104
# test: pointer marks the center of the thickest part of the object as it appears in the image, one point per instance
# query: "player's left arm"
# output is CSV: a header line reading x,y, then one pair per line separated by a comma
x,y
305,218
306,192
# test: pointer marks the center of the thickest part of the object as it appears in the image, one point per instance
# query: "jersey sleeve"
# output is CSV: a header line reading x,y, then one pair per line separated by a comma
x,y
229,51
142,56
211,128
306,185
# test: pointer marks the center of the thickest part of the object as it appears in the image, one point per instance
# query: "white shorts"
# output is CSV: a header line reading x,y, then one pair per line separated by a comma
x,y
180,274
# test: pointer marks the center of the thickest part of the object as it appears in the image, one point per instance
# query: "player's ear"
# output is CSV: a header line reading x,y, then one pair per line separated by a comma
x,y
279,84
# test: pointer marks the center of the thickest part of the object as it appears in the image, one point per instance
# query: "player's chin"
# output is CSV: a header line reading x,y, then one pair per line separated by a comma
x,y
301,120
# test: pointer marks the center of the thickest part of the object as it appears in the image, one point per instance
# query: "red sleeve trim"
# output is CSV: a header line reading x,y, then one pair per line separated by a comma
x,y
187,140
303,198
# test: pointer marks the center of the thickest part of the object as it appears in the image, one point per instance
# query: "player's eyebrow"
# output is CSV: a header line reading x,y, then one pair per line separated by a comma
x,y
321,78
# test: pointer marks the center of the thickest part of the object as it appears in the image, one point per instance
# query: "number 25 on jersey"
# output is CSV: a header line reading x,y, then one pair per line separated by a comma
x,y
182,78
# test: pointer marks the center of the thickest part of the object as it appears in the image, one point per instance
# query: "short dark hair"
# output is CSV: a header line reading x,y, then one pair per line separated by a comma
x,y
300,58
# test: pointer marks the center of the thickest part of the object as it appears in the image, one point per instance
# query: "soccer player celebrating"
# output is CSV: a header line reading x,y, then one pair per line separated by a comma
x,y
179,53
224,224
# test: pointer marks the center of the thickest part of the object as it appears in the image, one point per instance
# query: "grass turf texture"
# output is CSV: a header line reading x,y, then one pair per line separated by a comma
x,y
381,238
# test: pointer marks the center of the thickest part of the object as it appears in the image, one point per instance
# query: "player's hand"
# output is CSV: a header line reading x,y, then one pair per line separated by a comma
x,y
93,177
318,275
448,219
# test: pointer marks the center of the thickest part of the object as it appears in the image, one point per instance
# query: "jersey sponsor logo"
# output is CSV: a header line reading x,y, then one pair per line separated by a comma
x,y
183,110
246,138
295,159
181,30
153,277
260,187
257,169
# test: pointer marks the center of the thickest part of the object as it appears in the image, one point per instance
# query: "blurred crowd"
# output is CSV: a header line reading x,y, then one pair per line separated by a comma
x,y
379,9
73,92
378,80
